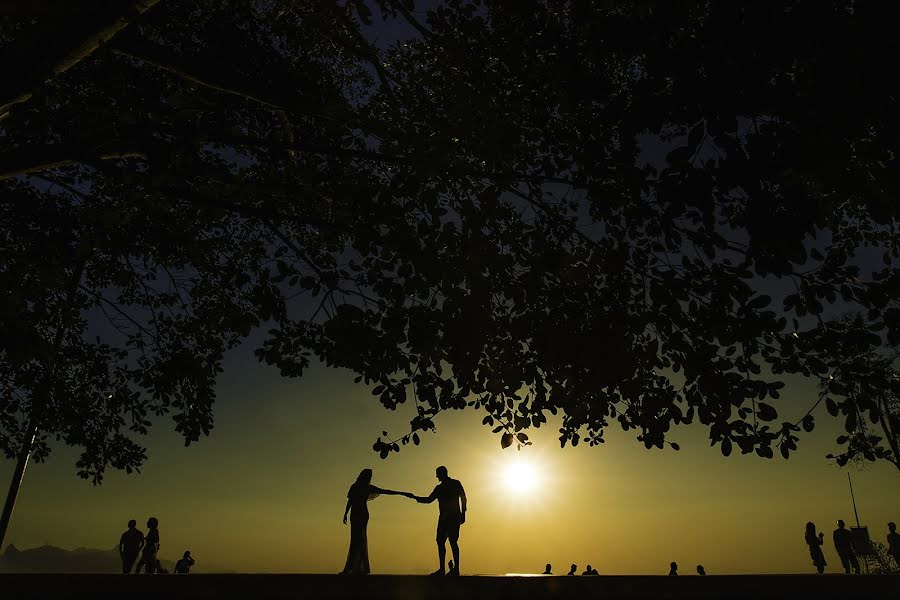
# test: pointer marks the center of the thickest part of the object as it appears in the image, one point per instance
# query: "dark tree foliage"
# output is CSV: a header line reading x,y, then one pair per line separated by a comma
x,y
647,213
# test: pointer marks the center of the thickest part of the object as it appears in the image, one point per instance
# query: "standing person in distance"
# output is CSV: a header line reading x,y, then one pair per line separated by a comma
x,y
149,560
451,499
130,545
843,544
893,540
358,496
815,541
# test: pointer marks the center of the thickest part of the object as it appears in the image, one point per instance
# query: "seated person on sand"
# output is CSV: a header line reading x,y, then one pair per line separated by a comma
x,y
183,566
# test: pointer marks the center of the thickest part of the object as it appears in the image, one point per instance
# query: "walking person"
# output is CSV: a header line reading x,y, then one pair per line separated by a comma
x,y
358,497
815,541
843,544
451,499
893,540
130,545
149,560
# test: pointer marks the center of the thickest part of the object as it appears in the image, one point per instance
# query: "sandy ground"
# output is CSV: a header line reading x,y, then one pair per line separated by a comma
x,y
378,587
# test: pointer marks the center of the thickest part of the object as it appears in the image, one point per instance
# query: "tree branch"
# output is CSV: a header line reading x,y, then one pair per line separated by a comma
x,y
60,44
162,58
407,16
24,161
361,48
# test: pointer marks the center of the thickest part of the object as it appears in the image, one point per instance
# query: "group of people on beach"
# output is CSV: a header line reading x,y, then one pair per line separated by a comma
x,y
134,543
844,546
589,570
451,499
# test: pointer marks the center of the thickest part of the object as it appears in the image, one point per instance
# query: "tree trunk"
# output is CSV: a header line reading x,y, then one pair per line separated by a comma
x,y
18,475
37,412
889,432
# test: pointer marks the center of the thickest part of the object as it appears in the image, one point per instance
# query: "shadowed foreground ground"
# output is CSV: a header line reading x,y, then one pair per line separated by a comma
x,y
397,587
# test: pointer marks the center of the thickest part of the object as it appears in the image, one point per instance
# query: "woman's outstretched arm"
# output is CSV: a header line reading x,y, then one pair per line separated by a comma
x,y
377,490
346,510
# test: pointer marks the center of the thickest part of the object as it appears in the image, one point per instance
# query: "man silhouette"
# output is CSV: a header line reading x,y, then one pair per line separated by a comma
x,y
893,540
673,568
451,499
573,570
130,545
843,543
548,570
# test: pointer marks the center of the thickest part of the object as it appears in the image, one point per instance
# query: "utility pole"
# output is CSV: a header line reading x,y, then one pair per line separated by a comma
x,y
867,555
853,499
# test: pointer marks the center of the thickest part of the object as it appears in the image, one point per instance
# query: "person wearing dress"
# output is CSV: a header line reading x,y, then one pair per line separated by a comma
x,y
358,496
149,560
814,541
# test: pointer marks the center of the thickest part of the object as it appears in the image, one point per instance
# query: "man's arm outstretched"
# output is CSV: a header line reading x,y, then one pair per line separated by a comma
x,y
428,499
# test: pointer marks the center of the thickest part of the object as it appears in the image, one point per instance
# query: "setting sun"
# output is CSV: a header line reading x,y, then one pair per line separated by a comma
x,y
520,477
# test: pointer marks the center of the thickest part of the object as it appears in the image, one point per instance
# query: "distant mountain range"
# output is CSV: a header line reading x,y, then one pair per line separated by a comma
x,y
50,559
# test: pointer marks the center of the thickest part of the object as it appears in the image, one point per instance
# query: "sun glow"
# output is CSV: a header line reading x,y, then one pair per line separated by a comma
x,y
521,481
521,477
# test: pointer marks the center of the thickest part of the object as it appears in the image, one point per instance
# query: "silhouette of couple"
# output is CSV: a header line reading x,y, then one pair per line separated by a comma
x,y
133,543
452,513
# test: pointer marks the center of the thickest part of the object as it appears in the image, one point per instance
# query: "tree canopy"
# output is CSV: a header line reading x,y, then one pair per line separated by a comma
x,y
639,213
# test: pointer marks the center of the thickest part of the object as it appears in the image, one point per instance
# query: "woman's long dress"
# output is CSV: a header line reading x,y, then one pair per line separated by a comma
x,y
358,554
815,551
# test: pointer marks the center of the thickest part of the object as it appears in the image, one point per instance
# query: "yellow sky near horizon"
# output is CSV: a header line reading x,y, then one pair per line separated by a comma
x,y
266,491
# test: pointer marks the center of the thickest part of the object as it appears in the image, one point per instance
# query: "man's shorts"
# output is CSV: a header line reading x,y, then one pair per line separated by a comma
x,y
448,528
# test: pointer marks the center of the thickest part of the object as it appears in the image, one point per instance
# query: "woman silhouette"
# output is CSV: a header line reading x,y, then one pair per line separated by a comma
x,y
359,494
814,541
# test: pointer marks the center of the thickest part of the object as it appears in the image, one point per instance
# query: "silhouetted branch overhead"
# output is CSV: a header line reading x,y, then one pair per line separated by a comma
x,y
409,18
538,209
57,44
35,160
158,56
